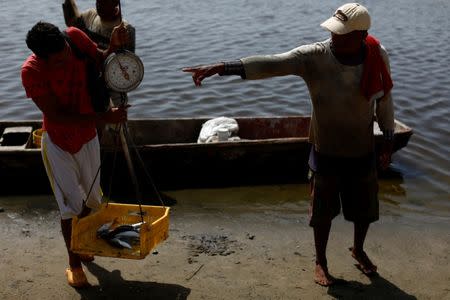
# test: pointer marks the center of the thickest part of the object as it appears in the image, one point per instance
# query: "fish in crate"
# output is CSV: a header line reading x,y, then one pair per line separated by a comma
x,y
122,236
120,230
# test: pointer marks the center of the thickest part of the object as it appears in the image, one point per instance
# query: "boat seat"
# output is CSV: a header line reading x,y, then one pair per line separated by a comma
x,y
16,137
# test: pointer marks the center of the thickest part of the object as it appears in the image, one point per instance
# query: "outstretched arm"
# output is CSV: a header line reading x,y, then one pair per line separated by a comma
x,y
254,67
71,13
223,68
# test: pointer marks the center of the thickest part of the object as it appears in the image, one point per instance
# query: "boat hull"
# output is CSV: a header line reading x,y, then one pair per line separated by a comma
x,y
272,150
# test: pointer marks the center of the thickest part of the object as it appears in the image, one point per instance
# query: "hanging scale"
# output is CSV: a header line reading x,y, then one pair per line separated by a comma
x,y
123,71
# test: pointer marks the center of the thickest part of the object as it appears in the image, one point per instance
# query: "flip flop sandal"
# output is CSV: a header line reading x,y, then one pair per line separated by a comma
x,y
76,278
364,264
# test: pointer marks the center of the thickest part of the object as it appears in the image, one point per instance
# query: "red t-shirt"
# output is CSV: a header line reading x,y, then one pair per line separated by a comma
x,y
69,84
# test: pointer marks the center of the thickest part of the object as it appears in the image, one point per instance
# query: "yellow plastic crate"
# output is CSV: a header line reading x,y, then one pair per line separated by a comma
x,y
154,231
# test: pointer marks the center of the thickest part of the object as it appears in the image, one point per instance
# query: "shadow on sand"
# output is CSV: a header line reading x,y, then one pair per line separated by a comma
x,y
113,286
379,288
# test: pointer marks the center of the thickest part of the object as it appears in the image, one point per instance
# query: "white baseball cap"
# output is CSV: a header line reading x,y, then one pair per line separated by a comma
x,y
347,18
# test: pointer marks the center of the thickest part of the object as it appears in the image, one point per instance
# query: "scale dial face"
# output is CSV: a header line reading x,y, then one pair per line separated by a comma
x,y
124,71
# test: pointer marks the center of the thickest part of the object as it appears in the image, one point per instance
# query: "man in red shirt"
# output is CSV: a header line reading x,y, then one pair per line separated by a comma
x,y
55,79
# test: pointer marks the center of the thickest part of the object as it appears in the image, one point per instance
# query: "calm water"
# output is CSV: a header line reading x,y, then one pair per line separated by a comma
x,y
173,34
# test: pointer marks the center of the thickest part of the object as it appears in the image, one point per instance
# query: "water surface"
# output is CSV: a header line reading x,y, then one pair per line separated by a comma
x,y
174,34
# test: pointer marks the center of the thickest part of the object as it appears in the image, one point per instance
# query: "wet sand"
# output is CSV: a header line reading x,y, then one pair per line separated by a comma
x,y
230,244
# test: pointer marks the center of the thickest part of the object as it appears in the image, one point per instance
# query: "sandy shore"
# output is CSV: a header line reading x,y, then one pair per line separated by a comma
x,y
229,244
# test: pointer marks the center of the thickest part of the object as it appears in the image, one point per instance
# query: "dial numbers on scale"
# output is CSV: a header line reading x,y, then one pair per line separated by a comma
x,y
123,71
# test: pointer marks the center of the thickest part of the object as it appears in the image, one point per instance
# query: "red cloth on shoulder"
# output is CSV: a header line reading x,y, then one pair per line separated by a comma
x,y
375,76
82,41
69,84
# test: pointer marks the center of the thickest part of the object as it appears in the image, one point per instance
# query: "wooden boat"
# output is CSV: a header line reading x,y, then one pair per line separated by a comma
x,y
272,150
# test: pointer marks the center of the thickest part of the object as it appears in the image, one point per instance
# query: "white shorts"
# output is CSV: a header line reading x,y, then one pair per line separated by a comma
x,y
71,176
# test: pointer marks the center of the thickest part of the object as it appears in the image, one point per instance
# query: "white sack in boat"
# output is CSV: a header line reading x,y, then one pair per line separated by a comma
x,y
210,128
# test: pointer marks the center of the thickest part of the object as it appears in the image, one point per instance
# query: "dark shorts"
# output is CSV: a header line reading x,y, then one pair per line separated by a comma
x,y
350,183
358,196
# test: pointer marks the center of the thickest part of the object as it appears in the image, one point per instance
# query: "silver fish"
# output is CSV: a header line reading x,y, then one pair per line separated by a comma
x,y
119,243
128,235
104,229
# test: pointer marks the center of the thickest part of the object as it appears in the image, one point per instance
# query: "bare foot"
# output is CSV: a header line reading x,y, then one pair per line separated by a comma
x,y
364,263
322,277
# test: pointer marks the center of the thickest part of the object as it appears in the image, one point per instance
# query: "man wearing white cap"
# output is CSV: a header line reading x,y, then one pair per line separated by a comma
x,y
349,82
